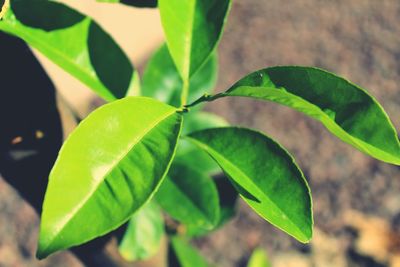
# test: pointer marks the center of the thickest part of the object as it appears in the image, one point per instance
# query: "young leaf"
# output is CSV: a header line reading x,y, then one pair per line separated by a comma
x,y
258,259
190,197
161,79
74,42
135,3
186,255
264,174
143,236
345,109
107,169
227,197
193,29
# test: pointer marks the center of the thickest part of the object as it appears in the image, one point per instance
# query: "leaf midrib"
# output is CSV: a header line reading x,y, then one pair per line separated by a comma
x,y
188,51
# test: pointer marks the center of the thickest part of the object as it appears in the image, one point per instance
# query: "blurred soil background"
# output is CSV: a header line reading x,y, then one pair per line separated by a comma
x,y
356,198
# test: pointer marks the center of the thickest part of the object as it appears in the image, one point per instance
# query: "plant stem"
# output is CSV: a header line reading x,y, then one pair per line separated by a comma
x,y
205,98
185,92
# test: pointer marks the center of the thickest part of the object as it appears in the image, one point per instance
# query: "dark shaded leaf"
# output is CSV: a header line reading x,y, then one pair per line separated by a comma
x,y
190,197
264,174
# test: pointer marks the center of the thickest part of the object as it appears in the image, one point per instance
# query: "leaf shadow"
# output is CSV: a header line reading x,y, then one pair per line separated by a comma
x,y
140,3
45,15
31,131
242,191
112,66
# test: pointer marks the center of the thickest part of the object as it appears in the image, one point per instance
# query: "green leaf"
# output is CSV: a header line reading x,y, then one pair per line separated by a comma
x,y
143,237
196,121
186,255
258,259
192,29
189,154
107,169
161,79
345,109
228,198
190,197
264,174
74,42
135,3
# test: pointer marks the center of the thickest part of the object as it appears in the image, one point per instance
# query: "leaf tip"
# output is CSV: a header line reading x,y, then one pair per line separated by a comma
x,y
45,247
306,237
41,254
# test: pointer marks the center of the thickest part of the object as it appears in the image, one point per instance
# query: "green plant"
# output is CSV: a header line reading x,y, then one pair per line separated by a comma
x,y
258,259
139,153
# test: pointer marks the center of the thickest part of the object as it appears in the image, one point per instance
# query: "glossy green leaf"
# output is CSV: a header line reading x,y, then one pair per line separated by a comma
x,y
106,170
143,237
189,154
74,42
161,79
135,3
345,109
264,174
190,197
192,29
186,255
258,259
